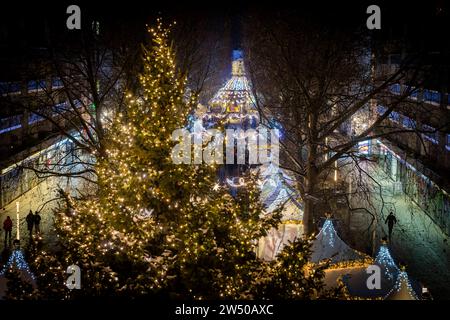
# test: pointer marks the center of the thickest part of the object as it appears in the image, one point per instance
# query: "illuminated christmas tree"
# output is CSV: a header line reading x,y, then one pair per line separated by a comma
x,y
155,226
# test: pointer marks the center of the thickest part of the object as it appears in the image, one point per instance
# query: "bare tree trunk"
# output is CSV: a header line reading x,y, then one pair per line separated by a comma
x,y
311,181
308,218
374,233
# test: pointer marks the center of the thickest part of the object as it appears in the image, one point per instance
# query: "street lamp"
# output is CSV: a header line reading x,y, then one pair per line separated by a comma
x,y
335,171
18,221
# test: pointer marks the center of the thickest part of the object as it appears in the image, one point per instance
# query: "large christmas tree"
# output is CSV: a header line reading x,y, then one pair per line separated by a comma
x,y
155,226
161,228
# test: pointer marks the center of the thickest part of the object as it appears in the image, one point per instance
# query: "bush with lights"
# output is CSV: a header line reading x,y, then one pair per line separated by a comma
x,y
292,276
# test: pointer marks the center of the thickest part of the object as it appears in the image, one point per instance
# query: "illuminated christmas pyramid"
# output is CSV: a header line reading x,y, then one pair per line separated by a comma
x,y
235,100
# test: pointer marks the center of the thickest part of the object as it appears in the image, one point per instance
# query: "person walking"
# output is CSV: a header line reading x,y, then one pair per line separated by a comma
x,y
30,222
37,221
391,220
7,226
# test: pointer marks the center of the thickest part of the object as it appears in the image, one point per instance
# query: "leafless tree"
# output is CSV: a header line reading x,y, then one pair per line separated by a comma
x,y
202,52
314,80
88,79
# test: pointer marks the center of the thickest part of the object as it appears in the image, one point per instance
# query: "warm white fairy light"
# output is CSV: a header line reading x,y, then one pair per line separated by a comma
x,y
335,171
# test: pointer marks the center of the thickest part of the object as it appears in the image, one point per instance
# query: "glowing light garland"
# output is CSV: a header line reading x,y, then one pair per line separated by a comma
x,y
231,183
292,222
235,92
328,231
17,259
351,264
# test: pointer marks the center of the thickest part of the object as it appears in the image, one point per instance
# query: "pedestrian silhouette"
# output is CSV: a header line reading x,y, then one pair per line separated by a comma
x,y
7,226
391,221
30,222
37,221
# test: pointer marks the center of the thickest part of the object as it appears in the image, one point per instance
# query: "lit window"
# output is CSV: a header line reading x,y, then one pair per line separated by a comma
x,y
432,96
35,85
56,83
408,123
431,134
395,88
9,88
381,110
394,116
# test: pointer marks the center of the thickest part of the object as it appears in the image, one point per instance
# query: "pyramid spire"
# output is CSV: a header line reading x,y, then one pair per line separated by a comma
x,y
237,65
402,289
17,260
385,260
328,245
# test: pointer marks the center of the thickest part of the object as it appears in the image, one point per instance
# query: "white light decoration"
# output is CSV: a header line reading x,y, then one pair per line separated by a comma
x,y
335,171
231,183
385,260
329,232
17,260
328,245
198,127
272,183
270,170
144,214
260,183
402,283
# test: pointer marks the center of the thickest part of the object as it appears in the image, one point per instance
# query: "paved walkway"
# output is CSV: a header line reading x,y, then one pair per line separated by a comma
x,y
41,198
416,240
